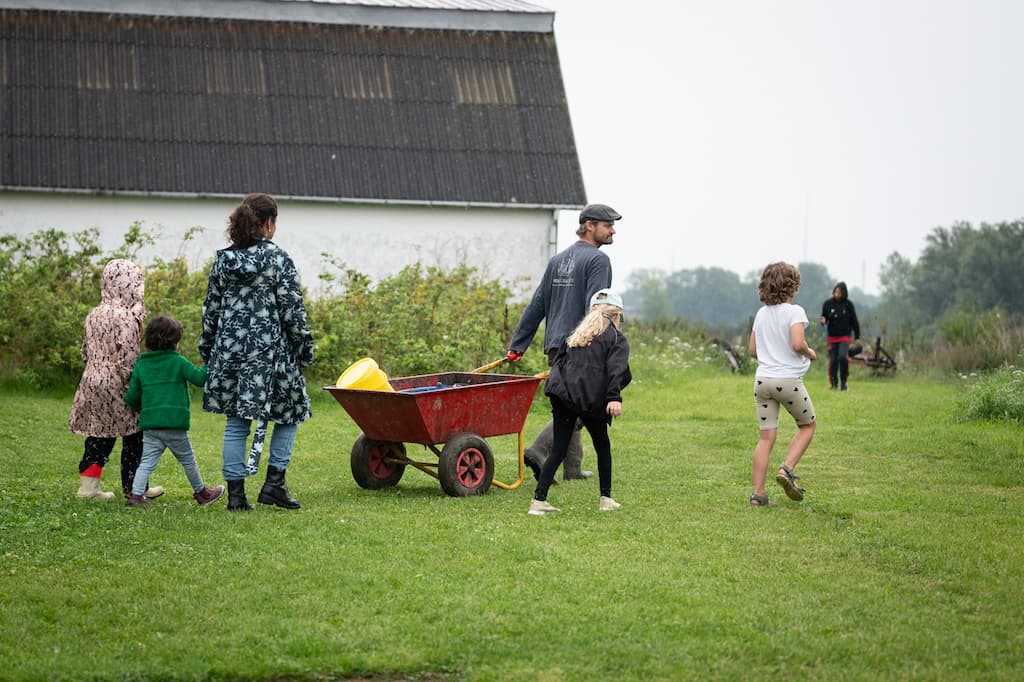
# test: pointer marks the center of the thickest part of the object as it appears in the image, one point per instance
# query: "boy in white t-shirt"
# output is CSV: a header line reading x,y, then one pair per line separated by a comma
x,y
783,357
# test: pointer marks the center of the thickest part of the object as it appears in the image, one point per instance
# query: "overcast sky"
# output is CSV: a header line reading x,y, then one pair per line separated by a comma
x,y
733,133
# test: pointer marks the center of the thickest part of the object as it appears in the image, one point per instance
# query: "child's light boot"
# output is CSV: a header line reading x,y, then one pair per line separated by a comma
x,y
608,504
89,489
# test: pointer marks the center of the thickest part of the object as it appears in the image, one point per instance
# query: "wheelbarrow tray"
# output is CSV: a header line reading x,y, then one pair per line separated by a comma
x,y
441,406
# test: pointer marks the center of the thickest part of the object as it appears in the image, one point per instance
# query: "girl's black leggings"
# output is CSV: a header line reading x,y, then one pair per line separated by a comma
x,y
563,420
97,451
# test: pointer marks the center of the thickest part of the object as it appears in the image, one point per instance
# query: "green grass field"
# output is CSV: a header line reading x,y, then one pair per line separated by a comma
x,y
903,562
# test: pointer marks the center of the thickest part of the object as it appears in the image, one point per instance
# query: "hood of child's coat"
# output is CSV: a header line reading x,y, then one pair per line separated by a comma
x,y
124,285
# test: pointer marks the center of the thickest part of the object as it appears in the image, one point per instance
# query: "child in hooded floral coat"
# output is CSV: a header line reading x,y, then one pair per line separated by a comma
x,y
110,346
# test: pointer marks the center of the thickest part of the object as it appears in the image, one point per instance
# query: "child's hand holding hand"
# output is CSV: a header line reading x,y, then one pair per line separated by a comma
x,y
614,408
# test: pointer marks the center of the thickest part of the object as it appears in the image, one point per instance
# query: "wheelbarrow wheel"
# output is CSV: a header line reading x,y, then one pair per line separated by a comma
x,y
373,463
466,466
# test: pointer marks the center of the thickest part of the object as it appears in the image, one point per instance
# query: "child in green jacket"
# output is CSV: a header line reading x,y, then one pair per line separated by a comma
x,y
158,391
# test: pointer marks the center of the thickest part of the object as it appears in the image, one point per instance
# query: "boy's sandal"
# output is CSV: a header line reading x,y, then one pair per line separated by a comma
x,y
787,479
758,500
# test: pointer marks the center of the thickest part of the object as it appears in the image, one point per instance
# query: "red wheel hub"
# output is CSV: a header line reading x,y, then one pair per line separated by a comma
x,y
380,462
470,467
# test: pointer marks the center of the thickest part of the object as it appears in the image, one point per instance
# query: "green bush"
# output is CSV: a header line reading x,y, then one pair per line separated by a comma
x,y
663,350
960,342
419,321
994,396
48,282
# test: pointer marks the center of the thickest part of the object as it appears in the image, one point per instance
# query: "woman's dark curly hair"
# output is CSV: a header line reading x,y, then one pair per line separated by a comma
x,y
245,225
779,283
162,333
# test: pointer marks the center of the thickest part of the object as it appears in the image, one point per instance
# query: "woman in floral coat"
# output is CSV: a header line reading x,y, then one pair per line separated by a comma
x,y
255,341
110,346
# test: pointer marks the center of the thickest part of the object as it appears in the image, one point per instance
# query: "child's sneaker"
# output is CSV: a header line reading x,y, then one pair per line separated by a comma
x,y
208,495
138,501
542,507
608,504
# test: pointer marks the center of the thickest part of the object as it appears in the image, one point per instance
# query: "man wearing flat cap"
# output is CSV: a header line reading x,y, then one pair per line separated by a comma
x,y
572,276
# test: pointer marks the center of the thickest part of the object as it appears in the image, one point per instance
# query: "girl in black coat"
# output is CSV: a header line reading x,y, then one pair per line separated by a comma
x,y
586,382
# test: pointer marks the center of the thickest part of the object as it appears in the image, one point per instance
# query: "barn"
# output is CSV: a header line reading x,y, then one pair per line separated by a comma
x,y
391,132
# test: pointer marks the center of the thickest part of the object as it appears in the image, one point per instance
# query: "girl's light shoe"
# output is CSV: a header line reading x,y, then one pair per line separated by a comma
x,y
608,504
542,507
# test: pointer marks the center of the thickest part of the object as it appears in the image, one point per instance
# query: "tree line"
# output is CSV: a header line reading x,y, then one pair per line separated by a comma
x,y
961,303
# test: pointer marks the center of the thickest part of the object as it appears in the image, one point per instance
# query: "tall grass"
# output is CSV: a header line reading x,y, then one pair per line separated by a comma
x,y
997,395
902,563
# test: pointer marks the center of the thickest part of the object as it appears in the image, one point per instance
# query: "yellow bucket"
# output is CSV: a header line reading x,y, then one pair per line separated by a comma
x,y
364,375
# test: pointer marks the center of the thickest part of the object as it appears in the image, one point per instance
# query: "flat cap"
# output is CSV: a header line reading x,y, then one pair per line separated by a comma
x,y
598,212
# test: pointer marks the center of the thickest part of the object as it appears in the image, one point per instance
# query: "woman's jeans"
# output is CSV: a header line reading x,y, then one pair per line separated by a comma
x,y
236,441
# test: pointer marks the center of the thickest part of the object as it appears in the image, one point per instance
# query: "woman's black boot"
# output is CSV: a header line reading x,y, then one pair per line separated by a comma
x,y
236,496
275,491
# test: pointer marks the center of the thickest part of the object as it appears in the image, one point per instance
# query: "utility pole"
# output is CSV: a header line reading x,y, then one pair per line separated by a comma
x,y
806,224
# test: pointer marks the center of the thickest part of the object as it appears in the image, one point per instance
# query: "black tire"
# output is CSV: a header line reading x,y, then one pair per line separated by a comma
x,y
466,466
373,464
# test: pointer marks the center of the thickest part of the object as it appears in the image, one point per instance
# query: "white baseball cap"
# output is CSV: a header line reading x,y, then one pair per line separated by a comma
x,y
606,296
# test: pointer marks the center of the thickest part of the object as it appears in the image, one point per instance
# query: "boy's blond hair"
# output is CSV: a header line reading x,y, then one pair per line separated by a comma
x,y
591,326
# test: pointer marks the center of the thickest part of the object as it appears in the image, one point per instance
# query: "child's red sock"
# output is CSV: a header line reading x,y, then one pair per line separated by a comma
x,y
93,471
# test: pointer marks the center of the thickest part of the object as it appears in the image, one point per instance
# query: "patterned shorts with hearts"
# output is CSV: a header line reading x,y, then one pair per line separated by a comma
x,y
789,393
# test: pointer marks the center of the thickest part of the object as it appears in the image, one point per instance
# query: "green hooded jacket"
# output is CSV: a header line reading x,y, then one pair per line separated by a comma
x,y
158,389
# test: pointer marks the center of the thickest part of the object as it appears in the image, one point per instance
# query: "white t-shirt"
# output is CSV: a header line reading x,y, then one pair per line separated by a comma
x,y
775,356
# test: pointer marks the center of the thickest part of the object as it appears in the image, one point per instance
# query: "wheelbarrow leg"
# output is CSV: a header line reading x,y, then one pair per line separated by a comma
x,y
519,480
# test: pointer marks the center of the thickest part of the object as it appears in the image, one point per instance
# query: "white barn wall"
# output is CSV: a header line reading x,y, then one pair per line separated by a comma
x,y
509,244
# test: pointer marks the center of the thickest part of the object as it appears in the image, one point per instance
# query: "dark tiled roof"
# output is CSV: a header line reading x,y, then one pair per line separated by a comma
x,y
195,106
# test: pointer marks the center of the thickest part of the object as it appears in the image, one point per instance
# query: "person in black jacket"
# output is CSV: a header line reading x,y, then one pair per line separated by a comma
x,y
841,317
586,382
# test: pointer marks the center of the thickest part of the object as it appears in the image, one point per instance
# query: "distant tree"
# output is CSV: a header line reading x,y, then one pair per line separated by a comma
x,y
991,275
962,268
897,314
714,296
935,277
815,286
647,296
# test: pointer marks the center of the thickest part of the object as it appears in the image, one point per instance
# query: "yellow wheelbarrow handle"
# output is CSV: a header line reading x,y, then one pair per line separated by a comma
x,y
498,363
490,366
522,464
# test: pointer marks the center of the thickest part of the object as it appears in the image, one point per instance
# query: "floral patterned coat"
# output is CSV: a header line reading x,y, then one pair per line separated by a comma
x,y
110,346
255,336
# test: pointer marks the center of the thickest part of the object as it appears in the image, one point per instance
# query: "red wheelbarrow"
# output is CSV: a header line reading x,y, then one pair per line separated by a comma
x,y
455,410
